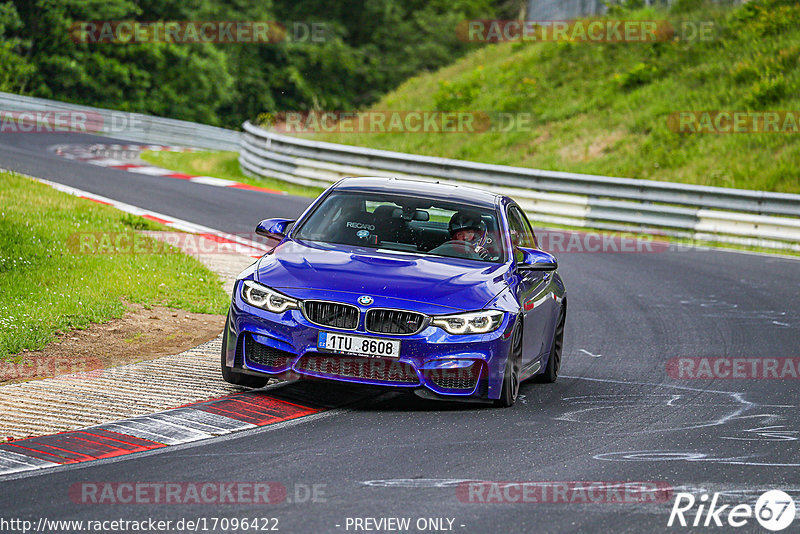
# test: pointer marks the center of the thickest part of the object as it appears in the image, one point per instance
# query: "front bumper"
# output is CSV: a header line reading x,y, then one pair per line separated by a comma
x,y
270,344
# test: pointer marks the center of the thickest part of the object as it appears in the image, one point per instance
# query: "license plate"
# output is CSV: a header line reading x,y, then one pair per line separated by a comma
x,y
358,345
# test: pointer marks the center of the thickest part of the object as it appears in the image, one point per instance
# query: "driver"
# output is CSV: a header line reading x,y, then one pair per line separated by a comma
x,y
467,236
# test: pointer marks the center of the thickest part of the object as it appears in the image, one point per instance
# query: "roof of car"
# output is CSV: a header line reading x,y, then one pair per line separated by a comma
x,y
470,195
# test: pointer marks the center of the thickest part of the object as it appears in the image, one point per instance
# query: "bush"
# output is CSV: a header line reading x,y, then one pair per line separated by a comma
x,y
640,74
766,91
458,96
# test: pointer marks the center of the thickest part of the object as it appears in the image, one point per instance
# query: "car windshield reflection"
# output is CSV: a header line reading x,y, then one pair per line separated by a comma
x,y
407,225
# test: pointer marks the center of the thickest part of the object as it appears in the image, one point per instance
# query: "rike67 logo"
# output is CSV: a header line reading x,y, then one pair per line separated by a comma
x,y
774,510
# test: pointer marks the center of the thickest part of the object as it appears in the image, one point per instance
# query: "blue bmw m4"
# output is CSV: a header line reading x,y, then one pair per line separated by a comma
x,y
400,283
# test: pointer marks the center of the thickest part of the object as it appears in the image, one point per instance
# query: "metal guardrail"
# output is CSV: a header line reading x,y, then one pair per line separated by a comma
x,y
129,126
704,213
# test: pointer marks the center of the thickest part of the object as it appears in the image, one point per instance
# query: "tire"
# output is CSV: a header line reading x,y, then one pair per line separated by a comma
x,y
554,360
510,388
231,376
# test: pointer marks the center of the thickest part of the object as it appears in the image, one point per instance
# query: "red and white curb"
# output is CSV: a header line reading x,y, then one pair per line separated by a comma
x,y
99,155
237,244
190,423
282,403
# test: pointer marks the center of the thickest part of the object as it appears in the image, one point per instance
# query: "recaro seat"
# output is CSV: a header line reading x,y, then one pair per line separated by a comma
x,y
349,227
389,224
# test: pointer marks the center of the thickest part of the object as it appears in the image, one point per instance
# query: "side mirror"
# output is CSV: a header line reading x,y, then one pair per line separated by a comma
x,y
274,228
534,259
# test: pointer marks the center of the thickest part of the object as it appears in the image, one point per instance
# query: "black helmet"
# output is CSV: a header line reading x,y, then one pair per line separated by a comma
x,y
467,220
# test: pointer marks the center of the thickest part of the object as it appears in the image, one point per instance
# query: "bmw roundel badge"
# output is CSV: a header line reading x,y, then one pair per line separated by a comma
x,y
365,300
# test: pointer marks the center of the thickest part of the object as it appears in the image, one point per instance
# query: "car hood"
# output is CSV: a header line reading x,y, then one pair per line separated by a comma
x,y
309,270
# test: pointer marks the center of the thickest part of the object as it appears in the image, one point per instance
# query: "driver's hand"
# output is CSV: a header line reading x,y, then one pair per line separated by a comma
x,y
482,252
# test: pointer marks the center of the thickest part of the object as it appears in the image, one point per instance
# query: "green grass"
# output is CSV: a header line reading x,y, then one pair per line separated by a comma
x,y
603,108
46,287
221,165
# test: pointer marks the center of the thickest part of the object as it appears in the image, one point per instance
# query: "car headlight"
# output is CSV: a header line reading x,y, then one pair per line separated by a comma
x,y
479,322
265,298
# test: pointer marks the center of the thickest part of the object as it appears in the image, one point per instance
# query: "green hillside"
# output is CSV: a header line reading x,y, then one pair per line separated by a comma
x,y
605,108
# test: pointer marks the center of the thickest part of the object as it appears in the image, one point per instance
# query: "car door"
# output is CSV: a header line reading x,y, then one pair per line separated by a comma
x,y
532,290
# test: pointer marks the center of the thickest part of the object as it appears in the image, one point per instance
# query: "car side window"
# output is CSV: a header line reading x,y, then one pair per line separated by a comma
x,y
534,243
521,233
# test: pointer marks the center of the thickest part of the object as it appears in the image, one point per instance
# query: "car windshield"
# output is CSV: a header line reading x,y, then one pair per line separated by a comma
x,y
407,224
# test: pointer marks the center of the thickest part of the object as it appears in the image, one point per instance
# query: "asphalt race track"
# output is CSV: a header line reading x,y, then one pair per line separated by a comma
x,y
615,415
29,154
